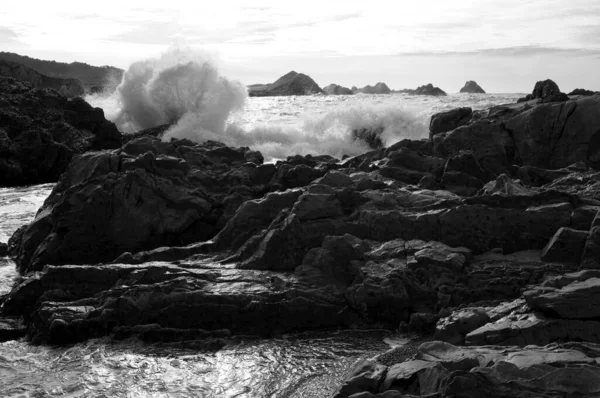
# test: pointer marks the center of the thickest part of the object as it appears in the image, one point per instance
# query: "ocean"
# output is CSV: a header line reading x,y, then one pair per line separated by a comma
x,y
301,365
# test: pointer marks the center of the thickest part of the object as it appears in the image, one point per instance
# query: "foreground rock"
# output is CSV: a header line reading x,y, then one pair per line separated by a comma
x,y
472,88
441,370
443,233
379,88
582,91
292,83
41,130
66,87
336,89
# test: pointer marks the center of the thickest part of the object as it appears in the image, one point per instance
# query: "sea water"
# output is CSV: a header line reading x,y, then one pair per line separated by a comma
x,y
302,365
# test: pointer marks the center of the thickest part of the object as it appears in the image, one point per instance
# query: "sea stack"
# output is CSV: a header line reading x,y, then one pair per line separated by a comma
x,y
379,88
292,83
546,91
336,89
472,87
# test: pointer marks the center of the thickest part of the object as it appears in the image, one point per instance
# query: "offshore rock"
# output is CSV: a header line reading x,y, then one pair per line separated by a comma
x,y
379,88
546,91
472,88
336,89
292,83
41,131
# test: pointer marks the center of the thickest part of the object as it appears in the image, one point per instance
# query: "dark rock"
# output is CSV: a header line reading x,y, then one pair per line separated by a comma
x,y
3,249
582,91
379,88
576,300
292,83
472,87
429,89
422,322
447,121
146,195
12,329
41,130
335,89
565,246
372,136
546,91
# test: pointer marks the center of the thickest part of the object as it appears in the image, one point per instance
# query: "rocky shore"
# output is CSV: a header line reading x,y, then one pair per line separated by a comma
x,y
484,236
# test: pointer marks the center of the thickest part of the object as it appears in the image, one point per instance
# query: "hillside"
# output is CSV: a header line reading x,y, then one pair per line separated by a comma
x,y
94,78
66,87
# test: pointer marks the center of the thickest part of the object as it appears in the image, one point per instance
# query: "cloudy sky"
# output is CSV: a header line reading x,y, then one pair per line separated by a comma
x,y
504,45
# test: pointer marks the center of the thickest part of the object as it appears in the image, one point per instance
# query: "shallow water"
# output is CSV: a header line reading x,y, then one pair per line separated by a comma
x,y
304,365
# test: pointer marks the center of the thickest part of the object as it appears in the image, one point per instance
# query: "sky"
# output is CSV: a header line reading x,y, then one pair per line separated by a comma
x,y
506,46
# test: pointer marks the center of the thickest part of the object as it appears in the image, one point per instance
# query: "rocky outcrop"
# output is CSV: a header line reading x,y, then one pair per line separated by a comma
x,y
335,89
66,87
447,121
442,235
379,88
292,83
582,91
427,89
93,78
472,88
442,370
41,130
546,91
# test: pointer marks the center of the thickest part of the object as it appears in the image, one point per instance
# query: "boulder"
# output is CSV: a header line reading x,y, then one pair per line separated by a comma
x,y
3,249
447,121
546,91
472,88
582,91
566,245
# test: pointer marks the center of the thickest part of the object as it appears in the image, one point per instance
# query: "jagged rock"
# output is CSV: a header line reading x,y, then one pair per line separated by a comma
x,y
576,300
553,136
292,83
489,142
367,376
565,246
147,194
335,89
505,186
66,87
379,88
41,130
442,370
3,249
447,121
472,87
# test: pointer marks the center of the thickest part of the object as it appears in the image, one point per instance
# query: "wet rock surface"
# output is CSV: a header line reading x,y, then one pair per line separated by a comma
x,y
472,236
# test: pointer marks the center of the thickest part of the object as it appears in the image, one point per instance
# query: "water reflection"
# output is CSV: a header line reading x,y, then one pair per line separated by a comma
x,y
303,365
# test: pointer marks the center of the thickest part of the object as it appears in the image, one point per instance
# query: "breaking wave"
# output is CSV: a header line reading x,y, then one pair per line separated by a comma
x,y
184,88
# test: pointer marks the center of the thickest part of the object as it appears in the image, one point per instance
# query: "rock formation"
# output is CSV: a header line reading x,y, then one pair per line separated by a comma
x,y
582,91
66,87
41,130
335,89
472,87
486,235
545,91
292,83
379,88
93,78
427,89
